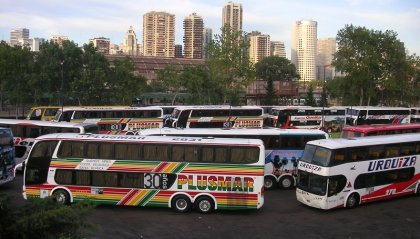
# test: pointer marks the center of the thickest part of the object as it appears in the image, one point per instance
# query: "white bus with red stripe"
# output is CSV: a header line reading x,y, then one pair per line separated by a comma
x,y
161,171
337,173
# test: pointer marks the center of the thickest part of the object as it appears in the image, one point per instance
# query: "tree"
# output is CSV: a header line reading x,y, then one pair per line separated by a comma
x,y
310,100
125,83
230,70
274,68
93,87
195,81
372,60
169,79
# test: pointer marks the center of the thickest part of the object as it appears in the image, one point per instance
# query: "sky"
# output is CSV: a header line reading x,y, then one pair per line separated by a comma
x,y
82,20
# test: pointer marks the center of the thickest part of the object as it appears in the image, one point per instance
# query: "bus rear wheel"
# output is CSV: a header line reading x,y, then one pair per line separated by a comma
x,y
61,197
286,182
352,201
181,204
204,204
269,182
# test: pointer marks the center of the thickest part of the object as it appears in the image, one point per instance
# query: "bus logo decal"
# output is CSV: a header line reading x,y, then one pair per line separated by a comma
x,y
403,162
213,183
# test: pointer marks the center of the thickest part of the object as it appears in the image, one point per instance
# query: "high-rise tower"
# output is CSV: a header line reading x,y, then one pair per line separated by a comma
x,y
259,46
326,47
19,36
193,36
207,38
159,34
277,49
304,38
129,45
232,16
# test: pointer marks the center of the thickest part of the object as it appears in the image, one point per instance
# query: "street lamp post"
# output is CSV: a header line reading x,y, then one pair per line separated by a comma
x,y
62,86
323,99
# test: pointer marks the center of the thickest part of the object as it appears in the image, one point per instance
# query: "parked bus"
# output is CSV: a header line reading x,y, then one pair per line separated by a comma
x,y
222,116
361,115
174,172
384,129
415,115
306,117
7,156
347,172
42,113
25,132
115,119
283,148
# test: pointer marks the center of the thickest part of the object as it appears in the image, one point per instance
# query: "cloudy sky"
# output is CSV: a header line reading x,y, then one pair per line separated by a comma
x,y
82,20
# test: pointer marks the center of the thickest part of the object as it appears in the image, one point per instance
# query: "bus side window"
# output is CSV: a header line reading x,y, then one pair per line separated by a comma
x,y
418,148
376,152
407,149
339,157
392,151
34,132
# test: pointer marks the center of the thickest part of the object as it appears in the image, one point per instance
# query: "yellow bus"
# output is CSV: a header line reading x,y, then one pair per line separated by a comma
x,y
46,113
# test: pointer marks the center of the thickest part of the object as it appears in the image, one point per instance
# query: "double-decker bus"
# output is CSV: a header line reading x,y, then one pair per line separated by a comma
x,y
361,115
283,148
347,172
174,172
25,132
42,113
306,117
379,129
114,119
222,116
7,156
415,115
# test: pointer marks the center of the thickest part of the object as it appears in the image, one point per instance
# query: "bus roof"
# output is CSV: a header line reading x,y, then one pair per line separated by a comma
x,y
365,141
211,107
230,131
376,108
43,123
381,127
149,139
101,108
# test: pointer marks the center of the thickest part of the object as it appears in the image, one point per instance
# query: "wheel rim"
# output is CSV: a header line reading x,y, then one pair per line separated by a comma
x,y
351,202
60,198
181,204
268,183
204,206
286,183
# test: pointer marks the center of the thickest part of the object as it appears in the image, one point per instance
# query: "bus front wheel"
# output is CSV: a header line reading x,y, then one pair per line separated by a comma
x,y
286,182
269,182
181,203
61,197
352,201
204,204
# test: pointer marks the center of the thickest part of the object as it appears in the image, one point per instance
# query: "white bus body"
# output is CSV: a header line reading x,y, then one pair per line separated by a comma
x,y
338,173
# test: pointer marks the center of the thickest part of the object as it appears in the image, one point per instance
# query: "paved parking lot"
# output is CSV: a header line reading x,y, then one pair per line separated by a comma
x,y
281,217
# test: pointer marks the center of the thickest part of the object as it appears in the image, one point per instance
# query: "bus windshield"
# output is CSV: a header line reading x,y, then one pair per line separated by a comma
x,y
312,183
316,155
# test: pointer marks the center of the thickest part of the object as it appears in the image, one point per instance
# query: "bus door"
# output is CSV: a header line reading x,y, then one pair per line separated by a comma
x,y
283,119
361,117
183,119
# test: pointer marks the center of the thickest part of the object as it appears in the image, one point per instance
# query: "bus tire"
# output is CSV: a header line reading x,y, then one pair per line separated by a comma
x,y
418,190
181,203
269,182
61,197
352,201
204,204
286,182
